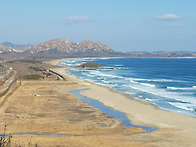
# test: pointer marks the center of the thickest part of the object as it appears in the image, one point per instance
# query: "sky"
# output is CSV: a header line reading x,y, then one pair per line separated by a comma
x,y
124,25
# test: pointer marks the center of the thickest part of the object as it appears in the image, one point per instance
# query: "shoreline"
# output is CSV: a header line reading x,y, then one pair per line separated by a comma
x,y
128,94
125,121
139,112
71,77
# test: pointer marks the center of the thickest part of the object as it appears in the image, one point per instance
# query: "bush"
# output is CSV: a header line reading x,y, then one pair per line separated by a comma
x,y
29,61
5,140
48,74
35,68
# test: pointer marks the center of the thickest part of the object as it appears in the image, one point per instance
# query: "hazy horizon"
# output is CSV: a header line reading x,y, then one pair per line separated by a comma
x,y
124,26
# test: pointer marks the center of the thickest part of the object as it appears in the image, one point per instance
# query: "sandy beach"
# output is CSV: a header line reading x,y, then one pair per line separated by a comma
x,y
174,129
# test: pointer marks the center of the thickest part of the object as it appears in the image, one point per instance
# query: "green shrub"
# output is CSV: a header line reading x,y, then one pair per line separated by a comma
x,y
33,77
36,68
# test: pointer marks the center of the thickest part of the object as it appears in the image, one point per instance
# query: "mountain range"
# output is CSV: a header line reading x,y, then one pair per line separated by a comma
x,y
17,46
63,47
58,48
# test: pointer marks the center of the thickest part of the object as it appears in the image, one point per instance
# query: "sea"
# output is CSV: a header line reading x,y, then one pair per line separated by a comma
x,y
168,83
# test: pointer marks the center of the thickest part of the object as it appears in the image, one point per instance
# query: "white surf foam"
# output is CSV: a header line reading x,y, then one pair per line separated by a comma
x,y
149,85
185,106
163,93
149,99
180,88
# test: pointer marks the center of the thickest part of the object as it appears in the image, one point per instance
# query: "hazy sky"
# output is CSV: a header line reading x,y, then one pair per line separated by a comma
x,y
124,25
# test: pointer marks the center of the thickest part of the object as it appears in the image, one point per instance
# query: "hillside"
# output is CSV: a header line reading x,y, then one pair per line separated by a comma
x,y
6,50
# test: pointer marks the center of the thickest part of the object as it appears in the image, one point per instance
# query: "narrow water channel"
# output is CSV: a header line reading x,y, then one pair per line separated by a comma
x,y
99,105
109,111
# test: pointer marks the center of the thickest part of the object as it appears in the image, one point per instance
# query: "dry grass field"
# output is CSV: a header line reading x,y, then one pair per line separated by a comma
x,y
45,107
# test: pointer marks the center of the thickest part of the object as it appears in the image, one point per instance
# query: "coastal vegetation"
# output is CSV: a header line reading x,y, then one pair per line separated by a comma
x,y
25,61
90,65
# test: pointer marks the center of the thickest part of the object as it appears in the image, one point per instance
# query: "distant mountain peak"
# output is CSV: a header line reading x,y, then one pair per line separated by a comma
x,y
7,43
16,46
61,40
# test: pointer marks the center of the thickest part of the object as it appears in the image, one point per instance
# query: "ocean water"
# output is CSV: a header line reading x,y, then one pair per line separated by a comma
x,y
168,83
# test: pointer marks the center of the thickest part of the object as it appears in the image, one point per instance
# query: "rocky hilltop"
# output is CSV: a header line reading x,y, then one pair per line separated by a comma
x,y
63,47
6,50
